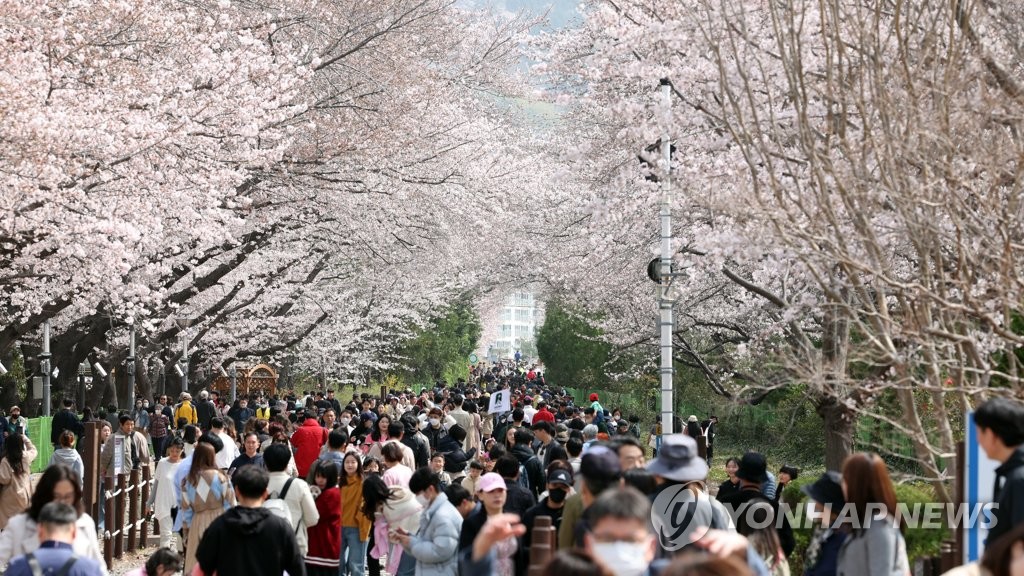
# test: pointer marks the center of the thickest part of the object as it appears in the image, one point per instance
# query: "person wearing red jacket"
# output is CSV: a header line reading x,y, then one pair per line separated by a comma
x,y
324,553
307,440
543,415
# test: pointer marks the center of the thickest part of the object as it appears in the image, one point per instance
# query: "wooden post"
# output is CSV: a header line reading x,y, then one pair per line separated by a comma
x,y
147,481
93,483
960,499
108,535
133,509
118,519
542,546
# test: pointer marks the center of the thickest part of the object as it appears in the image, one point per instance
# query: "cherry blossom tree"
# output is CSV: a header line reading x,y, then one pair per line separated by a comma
x,y
845,197
300,178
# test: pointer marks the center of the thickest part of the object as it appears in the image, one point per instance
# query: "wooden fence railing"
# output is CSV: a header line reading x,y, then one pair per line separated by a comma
x,y
123,498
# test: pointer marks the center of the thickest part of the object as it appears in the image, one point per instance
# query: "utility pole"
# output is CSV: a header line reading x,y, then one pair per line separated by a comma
x,y
665,322
184,360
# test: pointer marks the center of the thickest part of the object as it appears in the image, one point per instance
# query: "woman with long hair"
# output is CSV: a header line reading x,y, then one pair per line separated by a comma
x,y
58,483
16,476
875,546
492,495
379,435
1005,556
392,508
473,435
205,494
355,526
324,553
189,438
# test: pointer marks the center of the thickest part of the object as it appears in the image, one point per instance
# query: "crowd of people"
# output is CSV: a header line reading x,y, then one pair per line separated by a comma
x,y
441,482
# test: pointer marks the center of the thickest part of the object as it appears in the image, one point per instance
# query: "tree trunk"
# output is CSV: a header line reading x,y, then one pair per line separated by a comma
x,y
839,423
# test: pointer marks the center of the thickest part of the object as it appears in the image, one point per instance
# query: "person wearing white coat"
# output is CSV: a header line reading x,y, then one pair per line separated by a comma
x,y
162,500
21,535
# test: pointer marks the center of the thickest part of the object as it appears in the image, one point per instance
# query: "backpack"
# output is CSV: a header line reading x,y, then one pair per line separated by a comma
x,y
279,507
524,476
37,570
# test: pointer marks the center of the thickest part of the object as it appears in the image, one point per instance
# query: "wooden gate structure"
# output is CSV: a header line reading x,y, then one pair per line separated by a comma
x,y
249,380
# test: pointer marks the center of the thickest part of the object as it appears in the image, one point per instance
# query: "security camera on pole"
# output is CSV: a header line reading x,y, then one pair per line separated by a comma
x,y
44,368
660,270
664,303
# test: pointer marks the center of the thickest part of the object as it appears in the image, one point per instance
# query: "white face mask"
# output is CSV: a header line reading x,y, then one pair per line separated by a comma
x,y
625,558
434,422
422,499
345,421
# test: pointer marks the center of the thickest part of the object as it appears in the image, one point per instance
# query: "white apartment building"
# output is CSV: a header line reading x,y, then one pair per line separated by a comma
x,y
517,323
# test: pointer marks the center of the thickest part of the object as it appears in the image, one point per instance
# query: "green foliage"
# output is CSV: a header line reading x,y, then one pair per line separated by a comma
x,y
13,385
440,351
921,542
784,426
1001,361
569,347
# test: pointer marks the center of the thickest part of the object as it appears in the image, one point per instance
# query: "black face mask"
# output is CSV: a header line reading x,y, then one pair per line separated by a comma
x,y
557,495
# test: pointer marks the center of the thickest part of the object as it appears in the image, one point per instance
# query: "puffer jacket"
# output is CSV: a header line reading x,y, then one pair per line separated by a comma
x,y
436,544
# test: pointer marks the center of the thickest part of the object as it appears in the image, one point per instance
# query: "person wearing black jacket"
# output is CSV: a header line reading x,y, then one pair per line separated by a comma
x,y
519,499
533,466
1000,427
550,449
753,473
420,450
435,429
65,420
334,402
455,458
206,410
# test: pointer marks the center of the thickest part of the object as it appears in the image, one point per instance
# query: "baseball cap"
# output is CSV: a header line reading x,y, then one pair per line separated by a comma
x,y
490,482
560,476
600,463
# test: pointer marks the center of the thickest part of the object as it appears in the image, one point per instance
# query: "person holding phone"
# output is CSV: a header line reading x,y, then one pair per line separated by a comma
x,y
16,476
16,423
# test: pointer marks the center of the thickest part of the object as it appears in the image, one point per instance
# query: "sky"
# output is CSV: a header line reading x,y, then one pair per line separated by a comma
x,y
561,12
